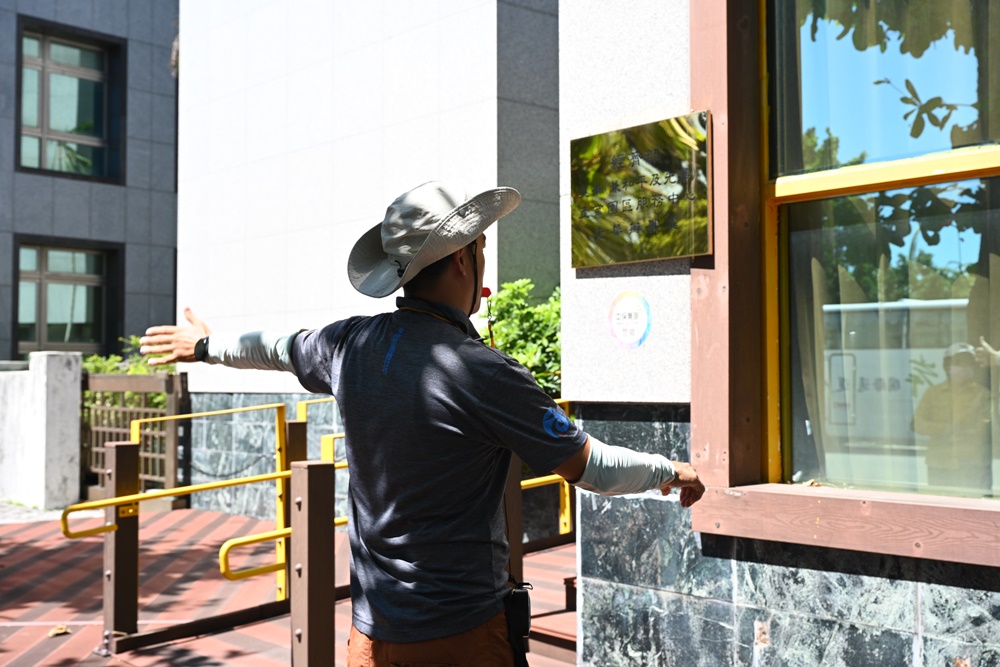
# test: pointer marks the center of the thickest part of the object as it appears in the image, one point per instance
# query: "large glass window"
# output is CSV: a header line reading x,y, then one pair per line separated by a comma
x,y
859,82
65,88
61,299
889,303
889,373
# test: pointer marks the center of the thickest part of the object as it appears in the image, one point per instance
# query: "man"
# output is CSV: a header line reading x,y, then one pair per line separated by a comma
x,y
431,416
955,415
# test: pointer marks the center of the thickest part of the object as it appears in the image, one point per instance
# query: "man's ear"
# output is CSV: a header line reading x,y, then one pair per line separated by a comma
x,y
461,262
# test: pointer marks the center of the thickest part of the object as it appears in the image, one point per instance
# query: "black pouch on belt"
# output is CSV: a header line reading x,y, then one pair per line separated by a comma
x,y
517,608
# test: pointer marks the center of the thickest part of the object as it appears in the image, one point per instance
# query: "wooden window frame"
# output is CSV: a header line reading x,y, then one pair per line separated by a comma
x,y
736,388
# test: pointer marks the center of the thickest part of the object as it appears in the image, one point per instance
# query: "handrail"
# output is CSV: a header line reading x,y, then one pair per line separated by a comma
x,y
302,407
135,427
153,495
236,542
536,482
281,463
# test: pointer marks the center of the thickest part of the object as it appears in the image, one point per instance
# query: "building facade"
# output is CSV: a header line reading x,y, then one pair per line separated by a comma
x,y
815,365
87,173
851,193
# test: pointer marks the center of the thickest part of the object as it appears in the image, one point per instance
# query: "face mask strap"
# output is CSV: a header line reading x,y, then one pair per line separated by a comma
x,y
476,289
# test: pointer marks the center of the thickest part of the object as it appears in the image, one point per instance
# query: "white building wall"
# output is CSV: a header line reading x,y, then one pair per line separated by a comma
x,y
622,65
299,123
40,431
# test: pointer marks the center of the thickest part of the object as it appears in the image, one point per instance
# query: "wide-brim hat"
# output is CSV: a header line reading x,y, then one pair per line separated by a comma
x,y
422,226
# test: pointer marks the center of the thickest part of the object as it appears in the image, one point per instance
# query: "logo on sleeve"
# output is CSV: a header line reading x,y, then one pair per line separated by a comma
x,y
555,422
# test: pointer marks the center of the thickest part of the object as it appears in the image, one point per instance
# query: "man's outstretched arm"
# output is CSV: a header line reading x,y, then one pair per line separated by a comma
x,y
611,470
255,349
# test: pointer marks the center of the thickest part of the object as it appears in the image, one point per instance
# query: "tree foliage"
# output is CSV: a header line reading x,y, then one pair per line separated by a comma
x,y
529,331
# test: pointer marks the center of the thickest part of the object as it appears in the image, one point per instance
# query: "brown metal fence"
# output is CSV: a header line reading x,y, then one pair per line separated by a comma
x,y
110,404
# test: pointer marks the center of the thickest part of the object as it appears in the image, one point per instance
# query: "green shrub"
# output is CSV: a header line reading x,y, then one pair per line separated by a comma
x,y
132,363
529,331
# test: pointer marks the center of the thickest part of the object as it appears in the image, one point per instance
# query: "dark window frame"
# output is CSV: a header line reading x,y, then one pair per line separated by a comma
x,y
116,112
113,298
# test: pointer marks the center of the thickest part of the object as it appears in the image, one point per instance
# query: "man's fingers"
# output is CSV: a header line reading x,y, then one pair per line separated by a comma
x,y
160,361
161,348
163,329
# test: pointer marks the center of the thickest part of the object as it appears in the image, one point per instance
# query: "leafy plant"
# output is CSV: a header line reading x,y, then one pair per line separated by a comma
x,y
132,363
528,331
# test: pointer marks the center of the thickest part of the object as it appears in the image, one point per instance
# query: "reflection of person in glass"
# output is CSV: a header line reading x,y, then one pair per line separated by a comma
x,y
955,414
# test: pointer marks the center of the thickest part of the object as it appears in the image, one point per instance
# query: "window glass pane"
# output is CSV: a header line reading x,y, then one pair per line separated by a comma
x,y
30,151
30,47
863,82
73,313
74,158
28,259
27,309
889,307
68,261
76,56
29,97
76,105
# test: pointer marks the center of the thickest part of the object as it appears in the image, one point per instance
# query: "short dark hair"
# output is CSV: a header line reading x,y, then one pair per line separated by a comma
x,y
429,275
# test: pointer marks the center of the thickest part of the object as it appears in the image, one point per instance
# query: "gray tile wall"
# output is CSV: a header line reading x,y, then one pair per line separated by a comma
x,y
141,213
528,140
243,444
654,593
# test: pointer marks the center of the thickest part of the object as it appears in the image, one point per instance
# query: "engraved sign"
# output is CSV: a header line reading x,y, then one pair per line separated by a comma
x,y
642,193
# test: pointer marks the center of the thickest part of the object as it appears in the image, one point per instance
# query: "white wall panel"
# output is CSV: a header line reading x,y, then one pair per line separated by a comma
x,y
615,73
299,123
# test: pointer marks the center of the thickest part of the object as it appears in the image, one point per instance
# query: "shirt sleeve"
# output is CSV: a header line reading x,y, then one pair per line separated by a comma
x,y
517,415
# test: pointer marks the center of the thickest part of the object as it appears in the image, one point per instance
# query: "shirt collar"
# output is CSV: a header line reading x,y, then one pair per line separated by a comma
x,y
450,313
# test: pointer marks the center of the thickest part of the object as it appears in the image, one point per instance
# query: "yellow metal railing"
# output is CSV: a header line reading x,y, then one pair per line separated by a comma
x,y
129,504
302,407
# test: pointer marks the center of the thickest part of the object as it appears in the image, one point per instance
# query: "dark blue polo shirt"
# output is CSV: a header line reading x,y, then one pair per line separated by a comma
x,y
431,416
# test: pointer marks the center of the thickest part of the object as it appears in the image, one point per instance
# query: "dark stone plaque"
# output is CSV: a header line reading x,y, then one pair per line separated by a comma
x,y
642,193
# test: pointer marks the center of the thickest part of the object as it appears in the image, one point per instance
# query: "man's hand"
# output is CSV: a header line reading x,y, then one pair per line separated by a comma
x,y
687,481
175,343
986,355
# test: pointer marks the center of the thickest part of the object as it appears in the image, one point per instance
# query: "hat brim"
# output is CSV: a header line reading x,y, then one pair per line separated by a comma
x,y
370,270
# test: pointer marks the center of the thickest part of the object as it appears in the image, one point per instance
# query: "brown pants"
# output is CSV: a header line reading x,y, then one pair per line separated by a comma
x,y
483,646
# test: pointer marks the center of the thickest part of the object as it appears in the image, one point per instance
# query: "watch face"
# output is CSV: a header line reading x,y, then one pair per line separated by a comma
x,y
201,349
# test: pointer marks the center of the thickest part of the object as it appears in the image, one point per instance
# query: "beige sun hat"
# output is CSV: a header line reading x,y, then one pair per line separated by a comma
x,y
423,225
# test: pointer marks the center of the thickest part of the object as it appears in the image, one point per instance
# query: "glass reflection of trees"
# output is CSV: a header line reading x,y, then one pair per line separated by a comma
x,y
664,163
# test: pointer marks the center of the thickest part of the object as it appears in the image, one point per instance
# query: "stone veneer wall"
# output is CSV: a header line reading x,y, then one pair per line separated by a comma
x,y
654,593
242,444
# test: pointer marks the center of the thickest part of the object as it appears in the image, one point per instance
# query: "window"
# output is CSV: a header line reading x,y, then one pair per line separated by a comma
x,y
61,300
872,253
888,288
70,110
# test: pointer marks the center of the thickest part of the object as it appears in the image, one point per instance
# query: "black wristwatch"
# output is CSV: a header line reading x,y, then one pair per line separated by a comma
x,y
201,349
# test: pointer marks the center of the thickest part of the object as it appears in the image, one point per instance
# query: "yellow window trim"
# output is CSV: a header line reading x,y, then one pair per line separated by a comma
x,y
954,165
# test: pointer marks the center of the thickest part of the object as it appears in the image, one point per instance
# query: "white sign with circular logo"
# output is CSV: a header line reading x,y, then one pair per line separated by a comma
x,y
630,319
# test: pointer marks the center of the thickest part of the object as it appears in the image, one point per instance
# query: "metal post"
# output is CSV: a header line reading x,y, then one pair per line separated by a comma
x,y
512,512
311,577
171,433
121,547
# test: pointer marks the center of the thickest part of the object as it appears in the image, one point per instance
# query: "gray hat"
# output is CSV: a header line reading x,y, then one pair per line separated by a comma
x,y
422,226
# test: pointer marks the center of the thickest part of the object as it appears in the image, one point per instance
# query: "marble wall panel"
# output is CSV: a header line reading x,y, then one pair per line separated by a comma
x,y
630,625
952,653
647,541
776,639
841,585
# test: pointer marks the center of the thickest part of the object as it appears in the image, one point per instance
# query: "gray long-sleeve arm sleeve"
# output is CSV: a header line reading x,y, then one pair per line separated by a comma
x,y
262,350
615,470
